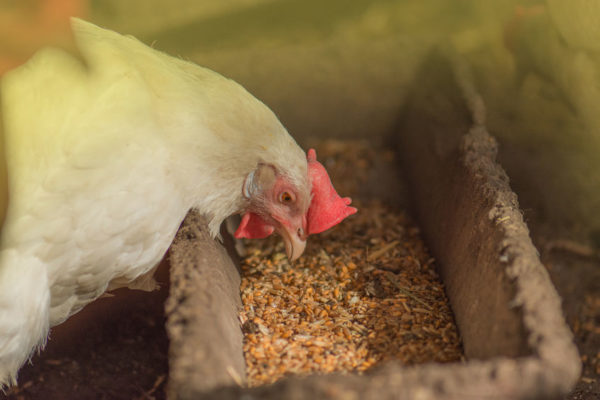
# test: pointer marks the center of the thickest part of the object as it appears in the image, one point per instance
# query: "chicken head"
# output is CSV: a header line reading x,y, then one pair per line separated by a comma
x,y
277,205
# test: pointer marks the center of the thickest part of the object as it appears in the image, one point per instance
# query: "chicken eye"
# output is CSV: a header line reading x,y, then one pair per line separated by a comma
x,y
285,197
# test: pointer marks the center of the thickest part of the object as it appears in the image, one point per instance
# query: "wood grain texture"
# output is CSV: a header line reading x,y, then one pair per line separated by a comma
x,y
205,349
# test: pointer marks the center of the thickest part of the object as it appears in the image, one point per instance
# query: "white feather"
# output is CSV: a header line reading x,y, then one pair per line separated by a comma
x,y
104,162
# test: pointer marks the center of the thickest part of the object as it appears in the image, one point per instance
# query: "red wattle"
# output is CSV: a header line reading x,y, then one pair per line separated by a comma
x,y
253,227
327,208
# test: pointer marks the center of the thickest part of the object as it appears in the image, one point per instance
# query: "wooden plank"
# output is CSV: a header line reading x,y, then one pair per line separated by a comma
x,y
205,349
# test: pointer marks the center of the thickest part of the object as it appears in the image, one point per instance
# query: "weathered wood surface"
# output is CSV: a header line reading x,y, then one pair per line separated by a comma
x,y
205,349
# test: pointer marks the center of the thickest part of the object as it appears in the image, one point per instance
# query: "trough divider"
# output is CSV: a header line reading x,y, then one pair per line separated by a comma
x,y
205,349
505,305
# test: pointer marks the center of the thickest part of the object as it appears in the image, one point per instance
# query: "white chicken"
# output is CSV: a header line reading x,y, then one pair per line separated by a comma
x,y
105,160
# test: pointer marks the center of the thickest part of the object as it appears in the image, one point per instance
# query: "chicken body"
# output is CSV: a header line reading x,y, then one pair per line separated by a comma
x,y
104,161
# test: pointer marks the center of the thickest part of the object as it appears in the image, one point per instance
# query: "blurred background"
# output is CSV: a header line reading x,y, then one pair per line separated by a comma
x,y
343,69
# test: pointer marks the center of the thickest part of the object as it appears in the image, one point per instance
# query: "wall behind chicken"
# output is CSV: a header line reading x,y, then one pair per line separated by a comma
x,y
335,68
538,68
342,68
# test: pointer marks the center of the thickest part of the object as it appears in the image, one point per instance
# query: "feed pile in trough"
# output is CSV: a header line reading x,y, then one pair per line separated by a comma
x,y
364,292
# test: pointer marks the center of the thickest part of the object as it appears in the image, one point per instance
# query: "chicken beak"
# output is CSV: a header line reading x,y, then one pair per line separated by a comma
x,y
295,242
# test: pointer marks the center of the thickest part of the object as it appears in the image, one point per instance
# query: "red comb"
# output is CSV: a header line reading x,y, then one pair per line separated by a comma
x,y
327,208
253,227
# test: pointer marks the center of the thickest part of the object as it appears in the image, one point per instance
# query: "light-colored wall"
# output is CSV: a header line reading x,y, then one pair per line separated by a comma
x,y
339,68
328,68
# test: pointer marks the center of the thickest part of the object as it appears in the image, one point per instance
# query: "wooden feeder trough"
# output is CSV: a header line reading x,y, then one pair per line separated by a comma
x,y
515,340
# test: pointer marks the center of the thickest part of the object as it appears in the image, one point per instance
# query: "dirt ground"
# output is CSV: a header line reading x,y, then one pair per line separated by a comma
x,y
578,281
116,348
575,271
